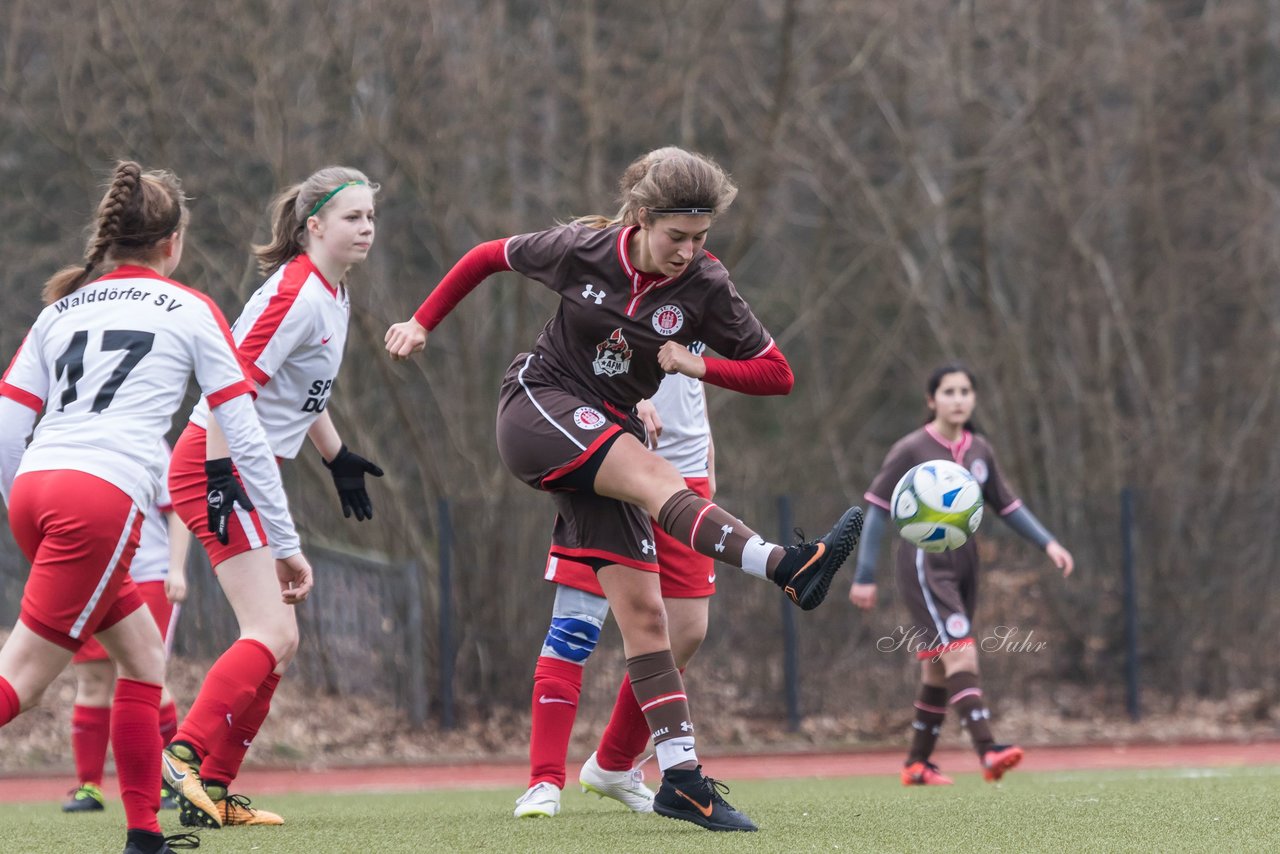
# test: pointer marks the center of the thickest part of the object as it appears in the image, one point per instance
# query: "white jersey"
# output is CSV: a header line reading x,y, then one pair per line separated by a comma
x,y
686,434
111,361
109,364
291,335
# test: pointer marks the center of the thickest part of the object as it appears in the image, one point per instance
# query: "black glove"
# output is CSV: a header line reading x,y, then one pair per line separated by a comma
x,y
223,491
348,472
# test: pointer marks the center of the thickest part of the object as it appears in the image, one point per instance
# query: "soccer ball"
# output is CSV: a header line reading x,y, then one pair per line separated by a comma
x,y
937,505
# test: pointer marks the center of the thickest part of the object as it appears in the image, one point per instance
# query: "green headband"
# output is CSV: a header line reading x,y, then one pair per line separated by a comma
x,y
330,195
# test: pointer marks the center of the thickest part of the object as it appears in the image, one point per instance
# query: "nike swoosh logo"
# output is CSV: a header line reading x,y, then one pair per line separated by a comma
x,y
822,549
247,743
325,340
545,699
711,579
172,772
706,811
790,589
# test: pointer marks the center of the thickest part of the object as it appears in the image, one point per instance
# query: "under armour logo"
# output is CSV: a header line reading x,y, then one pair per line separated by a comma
x,y
588,292
685,726
648,548
725,531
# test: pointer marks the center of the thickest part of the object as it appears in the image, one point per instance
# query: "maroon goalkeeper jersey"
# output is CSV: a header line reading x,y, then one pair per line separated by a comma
x,y
971,451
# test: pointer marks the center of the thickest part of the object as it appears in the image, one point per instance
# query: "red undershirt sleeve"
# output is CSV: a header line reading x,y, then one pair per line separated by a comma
x,y
768,373
472,269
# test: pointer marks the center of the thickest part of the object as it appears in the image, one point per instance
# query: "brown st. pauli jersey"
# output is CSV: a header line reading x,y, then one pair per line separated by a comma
x,y
613,319
971,451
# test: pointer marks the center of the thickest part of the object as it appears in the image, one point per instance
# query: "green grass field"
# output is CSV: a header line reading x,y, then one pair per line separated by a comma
x,y
1233,809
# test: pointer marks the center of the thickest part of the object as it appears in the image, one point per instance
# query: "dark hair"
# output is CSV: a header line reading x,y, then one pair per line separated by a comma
x,y
935,380
291,209
139,211
669,178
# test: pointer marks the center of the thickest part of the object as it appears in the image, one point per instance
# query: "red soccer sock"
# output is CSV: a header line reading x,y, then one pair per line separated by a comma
x,y
232,684
627,733
135,739
9,704
223,762
168,721
90,735
557,685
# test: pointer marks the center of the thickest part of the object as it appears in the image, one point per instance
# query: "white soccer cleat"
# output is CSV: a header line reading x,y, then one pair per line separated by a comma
x,y
542,800
625,787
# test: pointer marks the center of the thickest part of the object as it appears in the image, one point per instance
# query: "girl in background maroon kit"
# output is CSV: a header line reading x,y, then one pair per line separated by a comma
x,y
941,588
635,290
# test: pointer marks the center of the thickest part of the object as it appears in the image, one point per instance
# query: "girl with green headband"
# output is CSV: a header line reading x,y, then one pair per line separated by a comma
x,y
290,337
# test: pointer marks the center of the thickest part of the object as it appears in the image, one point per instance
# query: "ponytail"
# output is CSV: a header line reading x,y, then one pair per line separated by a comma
x,y
294,205
139,211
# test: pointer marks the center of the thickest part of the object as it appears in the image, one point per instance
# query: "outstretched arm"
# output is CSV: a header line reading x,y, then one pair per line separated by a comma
x,y
863,592
1028,526
408,337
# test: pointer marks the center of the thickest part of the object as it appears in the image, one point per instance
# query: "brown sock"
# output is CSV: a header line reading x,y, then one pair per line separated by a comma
x,y
966,696
708,529
931,711
659,690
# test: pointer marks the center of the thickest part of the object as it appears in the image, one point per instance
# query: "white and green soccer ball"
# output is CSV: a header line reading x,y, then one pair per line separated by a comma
x,y
937,505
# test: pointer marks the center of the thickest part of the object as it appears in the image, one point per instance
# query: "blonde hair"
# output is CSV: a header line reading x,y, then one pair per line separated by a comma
x,y
291,209
139,211
669,178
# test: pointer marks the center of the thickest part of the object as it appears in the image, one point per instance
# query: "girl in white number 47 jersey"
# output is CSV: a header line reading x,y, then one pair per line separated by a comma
x,y
290,337
108,362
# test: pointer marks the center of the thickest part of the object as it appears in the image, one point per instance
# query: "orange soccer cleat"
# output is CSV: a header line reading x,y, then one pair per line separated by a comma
x,y
924,774
999,759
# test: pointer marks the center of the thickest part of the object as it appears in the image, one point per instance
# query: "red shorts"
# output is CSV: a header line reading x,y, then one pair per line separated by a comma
x,y
683,573
79,532
152,593
188,489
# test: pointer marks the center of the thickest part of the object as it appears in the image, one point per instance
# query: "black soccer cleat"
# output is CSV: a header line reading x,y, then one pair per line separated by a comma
x,y
143,842
806,569
689,796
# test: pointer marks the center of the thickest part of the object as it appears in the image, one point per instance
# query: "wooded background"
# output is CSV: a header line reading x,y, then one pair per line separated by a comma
x,y
1077,198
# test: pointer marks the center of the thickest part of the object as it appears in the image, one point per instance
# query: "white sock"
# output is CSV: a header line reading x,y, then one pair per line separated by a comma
x,y
673,751
755,556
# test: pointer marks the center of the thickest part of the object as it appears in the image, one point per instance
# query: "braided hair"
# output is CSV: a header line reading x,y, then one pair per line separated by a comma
x,y
139,211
